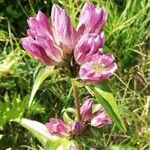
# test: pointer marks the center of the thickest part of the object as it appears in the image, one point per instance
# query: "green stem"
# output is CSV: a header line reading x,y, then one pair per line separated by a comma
x,y
77,105
79,147
77,100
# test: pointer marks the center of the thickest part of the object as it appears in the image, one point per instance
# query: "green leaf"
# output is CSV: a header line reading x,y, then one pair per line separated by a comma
x,y
61,144
66,118
43,74
39,130
96,132
105,97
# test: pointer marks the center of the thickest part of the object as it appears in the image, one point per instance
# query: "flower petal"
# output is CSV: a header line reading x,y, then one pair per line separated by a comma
x,y
65,34
36,50
39,24
51,49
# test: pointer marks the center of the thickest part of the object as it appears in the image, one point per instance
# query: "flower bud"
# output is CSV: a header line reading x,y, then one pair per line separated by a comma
x,y
40,42
77,128
86,110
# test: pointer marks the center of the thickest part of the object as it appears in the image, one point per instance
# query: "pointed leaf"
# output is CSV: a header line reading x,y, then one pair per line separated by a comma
x,y
66,118
44,73
60,144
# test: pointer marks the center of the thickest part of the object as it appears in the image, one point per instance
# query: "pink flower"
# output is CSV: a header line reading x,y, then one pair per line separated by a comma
x,y
77,127
50,43
57,127
100,67
101,119
91,19
88,45
40,43
86,110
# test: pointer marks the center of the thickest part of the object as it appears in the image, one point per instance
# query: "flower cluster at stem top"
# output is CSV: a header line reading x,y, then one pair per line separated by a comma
x,y
56,40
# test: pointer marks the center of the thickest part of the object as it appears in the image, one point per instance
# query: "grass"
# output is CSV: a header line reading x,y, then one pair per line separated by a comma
x,y
127,37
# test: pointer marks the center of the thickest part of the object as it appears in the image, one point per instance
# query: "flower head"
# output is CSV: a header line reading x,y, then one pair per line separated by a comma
x,y
50,42
100,67
40,43
91,19
57,127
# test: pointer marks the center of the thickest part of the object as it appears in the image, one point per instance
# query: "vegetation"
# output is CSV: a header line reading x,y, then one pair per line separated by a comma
x,y
127,37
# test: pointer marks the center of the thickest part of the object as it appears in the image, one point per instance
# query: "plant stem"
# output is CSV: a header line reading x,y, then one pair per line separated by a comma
x,y
79,147
77,100
77,105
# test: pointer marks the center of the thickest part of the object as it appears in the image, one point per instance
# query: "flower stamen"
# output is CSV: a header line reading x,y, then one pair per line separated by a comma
x,y
98,68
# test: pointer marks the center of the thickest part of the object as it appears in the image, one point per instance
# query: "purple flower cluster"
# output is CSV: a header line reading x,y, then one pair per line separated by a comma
x,y
52,41
97,119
